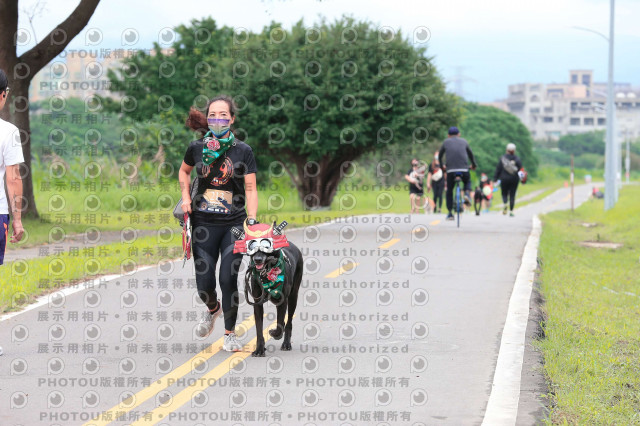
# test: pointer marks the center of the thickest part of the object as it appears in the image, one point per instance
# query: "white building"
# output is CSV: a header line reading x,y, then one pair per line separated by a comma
x,y
552,110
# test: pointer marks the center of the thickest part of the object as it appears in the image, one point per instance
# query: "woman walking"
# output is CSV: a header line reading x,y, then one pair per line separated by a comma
x,y
226,186
435,180
415,177
507,174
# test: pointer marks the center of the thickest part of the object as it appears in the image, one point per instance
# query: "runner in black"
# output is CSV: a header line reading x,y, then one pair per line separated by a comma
x,y
226,172
507,174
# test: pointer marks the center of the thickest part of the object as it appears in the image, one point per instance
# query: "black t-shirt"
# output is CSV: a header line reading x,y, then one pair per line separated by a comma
x,y
433,168
220,199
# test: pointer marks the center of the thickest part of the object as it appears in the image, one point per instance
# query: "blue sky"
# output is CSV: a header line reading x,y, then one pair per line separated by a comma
x,y
490,43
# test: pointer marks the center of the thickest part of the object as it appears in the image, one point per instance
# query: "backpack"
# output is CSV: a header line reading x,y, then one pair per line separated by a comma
x,y
437,174
509,165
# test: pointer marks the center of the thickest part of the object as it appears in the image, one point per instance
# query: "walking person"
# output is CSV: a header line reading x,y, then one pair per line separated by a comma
x,y
10,159
226,195
507,175
458,155
415,177
435,181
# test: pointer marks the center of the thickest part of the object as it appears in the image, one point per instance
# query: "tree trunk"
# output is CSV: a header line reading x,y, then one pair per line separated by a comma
x,y
317,182
20,71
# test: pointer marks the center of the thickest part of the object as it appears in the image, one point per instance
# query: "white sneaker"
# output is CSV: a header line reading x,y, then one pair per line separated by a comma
x,y
231,343
205,327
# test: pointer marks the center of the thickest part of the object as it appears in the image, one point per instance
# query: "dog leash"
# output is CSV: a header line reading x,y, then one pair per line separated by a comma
x,y
186,239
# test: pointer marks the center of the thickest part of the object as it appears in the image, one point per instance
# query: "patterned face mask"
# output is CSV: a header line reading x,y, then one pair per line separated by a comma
x,y
218,126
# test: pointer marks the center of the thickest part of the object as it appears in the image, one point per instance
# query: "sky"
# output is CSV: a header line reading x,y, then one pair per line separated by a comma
x,y
479,47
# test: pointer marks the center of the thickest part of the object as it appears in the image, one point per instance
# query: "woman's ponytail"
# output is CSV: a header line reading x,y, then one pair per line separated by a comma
x,y
197,121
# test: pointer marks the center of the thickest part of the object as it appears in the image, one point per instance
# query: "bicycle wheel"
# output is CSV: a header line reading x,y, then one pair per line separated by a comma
x,y
458,202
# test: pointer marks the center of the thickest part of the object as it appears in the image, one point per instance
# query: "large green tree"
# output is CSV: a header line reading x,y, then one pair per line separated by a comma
x,y
323,96
315,98
489,130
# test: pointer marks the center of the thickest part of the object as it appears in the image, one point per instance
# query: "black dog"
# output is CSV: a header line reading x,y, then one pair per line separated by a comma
x,y
274,274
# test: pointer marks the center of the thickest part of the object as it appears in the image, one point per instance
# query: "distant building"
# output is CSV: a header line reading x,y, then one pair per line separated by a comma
x,y
552,110
81,74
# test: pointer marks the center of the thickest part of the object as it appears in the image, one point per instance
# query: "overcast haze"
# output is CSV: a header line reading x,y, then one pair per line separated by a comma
x,y
488,44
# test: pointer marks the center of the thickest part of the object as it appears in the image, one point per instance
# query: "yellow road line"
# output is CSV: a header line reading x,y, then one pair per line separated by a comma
x,y
435,222
188,393
162,383
389,243
341,270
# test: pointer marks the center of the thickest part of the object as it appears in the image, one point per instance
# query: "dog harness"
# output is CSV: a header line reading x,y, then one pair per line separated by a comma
x,y
273,280
265,238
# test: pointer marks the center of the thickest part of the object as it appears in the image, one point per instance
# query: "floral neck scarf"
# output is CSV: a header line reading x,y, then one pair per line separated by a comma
x,y
214,148
273,280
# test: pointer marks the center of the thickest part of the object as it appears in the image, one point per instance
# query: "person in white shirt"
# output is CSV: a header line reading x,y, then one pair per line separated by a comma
x,y
10,159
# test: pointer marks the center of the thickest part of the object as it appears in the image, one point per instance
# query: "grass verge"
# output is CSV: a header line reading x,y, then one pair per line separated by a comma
x,y
591,346
23,281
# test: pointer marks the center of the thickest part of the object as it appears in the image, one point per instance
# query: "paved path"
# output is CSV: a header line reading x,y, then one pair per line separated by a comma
x,y
408,334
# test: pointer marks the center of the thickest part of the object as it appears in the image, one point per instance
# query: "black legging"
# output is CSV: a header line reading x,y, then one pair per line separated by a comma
x,y
451,183
210,242
509,188
438,189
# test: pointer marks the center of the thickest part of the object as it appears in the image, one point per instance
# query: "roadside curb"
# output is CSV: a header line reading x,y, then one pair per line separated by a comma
x,y
502,408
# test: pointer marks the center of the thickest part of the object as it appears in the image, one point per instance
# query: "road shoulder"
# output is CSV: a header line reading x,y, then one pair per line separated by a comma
x,y
532,408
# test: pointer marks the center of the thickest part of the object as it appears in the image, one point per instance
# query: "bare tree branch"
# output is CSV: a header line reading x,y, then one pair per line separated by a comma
x,y
55,42
32,12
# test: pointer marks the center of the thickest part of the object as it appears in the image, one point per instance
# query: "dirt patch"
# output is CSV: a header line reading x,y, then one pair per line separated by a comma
x,y
589,225
600,244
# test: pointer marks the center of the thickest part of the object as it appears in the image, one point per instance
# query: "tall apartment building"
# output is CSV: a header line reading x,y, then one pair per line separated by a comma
x,y
552,110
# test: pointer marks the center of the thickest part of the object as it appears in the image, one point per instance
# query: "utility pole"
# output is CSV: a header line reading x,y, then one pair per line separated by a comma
x,y
610,168
611,153
459,80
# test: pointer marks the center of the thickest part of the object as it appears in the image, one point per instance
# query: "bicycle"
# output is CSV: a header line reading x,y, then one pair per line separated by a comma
x,y
458,181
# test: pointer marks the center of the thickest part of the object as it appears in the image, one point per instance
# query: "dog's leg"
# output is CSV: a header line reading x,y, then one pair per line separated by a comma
x,y
293,302
277,332
258,312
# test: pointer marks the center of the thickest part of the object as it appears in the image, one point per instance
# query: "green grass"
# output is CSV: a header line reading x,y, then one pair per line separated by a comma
x,y
154,202
591,346
23,281
277,201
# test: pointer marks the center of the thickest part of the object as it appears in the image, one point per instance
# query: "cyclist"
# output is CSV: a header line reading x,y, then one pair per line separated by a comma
x,y
458,154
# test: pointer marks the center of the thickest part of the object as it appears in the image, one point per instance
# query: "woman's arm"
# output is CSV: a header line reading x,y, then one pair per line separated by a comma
x,y
184,177
251,194
498,172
